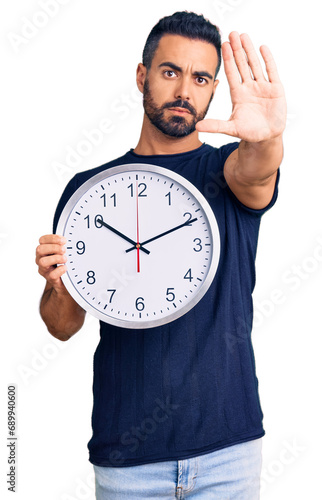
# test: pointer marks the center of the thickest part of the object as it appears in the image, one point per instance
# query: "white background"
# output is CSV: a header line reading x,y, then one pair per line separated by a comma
x,y
58,82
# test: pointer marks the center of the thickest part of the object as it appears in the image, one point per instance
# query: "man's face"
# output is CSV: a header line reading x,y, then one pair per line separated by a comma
x,y
180,84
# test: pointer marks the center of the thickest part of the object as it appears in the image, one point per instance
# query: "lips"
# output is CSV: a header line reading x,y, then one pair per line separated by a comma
x,y
180,110
181,107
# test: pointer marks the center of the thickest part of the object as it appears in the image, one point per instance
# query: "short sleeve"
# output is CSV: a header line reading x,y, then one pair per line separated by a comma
x,y
226,150
252,211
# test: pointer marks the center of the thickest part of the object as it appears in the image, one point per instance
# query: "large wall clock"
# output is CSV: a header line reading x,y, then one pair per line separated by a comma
x,y
143,245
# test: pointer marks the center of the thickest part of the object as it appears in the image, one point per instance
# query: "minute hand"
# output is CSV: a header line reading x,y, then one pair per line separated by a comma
x,y
187,223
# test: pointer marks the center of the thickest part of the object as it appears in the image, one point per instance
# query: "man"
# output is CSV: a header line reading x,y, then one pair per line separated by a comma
x,y
193,379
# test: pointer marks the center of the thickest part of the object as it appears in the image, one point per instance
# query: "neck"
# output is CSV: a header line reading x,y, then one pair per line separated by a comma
x,y
154,142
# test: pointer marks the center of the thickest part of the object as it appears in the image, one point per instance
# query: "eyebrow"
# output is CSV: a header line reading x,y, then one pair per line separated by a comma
x,y
177,68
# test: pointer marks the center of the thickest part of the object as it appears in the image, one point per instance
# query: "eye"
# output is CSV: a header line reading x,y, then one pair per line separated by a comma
x,y
201,80
170,73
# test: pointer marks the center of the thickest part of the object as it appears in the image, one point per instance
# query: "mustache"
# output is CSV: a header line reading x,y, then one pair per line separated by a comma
x,y
179,103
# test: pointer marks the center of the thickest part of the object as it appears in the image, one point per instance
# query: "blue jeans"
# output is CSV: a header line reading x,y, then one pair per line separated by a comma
x,y
232,473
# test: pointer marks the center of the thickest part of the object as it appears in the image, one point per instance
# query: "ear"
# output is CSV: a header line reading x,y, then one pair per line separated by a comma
x,y
215,86
140,76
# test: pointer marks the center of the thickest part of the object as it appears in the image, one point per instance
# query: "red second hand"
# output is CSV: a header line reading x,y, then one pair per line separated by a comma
x,y
137,229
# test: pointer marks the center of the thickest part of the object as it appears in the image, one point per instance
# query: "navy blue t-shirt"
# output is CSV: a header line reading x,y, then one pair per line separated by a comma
x,y
188,387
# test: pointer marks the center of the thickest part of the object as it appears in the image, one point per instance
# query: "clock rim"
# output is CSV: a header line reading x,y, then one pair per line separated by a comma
x,y
127,167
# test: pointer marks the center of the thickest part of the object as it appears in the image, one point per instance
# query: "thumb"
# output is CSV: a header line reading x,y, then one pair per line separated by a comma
x,y
216,126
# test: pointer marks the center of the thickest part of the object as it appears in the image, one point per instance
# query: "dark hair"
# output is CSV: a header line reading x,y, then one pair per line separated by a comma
x,y
187,24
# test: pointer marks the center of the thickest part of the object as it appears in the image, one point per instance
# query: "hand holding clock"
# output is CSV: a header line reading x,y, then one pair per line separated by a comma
x,y
62,314
49,254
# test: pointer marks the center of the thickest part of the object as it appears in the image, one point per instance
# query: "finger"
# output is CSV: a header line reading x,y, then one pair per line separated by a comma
x,y
253,59
45,263
54,276
271,68
53,238
231,69
217,126
240,56
49,249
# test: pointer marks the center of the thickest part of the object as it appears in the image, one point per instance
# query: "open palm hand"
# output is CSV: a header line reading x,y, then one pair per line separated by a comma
x,y
258,104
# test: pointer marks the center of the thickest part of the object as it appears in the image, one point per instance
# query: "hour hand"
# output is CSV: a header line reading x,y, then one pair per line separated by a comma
x,y
100,221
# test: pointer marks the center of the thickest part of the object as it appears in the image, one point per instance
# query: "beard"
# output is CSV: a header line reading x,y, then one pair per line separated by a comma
x,y
175,126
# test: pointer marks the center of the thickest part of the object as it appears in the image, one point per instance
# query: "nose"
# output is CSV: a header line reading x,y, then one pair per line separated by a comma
x,y
182,90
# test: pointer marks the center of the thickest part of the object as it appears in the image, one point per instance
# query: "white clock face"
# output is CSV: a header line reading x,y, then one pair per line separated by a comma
x,y
143,245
